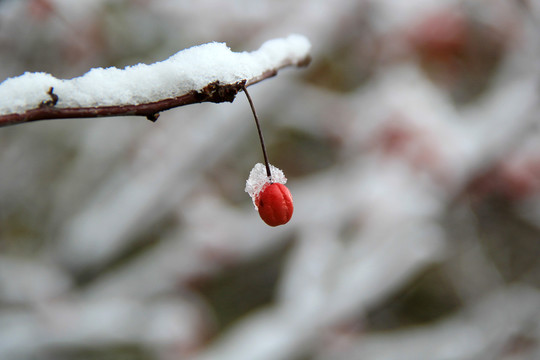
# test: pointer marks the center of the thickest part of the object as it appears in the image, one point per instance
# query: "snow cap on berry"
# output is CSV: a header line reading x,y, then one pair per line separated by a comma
x,y
258,179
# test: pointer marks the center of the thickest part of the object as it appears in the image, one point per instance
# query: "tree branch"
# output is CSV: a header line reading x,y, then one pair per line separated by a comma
x,y
213,92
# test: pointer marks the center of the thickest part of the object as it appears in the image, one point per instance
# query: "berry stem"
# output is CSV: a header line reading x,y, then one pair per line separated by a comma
x,y
268,172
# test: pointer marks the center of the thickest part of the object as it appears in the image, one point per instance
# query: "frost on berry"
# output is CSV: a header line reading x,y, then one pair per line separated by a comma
x,y
258,180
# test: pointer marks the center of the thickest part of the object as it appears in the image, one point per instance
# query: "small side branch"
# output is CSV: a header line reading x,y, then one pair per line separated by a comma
x,y
52,101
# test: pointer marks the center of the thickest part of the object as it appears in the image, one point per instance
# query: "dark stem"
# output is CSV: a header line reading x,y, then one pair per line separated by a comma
x,y
268,172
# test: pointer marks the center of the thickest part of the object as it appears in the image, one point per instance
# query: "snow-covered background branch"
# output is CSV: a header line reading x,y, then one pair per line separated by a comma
x,y
411,148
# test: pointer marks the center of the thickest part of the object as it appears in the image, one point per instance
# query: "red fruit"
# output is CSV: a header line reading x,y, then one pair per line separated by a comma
x,y
275,204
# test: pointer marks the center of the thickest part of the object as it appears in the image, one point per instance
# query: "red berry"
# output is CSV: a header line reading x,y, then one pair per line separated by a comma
x,y
275,204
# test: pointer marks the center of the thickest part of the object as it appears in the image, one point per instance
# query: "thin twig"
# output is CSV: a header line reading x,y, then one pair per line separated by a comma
x,y
266,163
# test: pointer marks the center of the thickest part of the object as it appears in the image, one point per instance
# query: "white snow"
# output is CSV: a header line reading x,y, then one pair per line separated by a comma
x,y
258,180
188,70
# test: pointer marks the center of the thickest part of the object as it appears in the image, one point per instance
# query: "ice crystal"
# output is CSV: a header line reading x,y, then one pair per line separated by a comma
x,y
258,179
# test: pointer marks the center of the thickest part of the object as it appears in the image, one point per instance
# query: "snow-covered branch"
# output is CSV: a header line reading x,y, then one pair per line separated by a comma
x,y
412,151
204,73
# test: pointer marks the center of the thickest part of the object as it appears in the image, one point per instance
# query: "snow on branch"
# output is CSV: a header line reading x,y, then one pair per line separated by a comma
x,y
205,73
